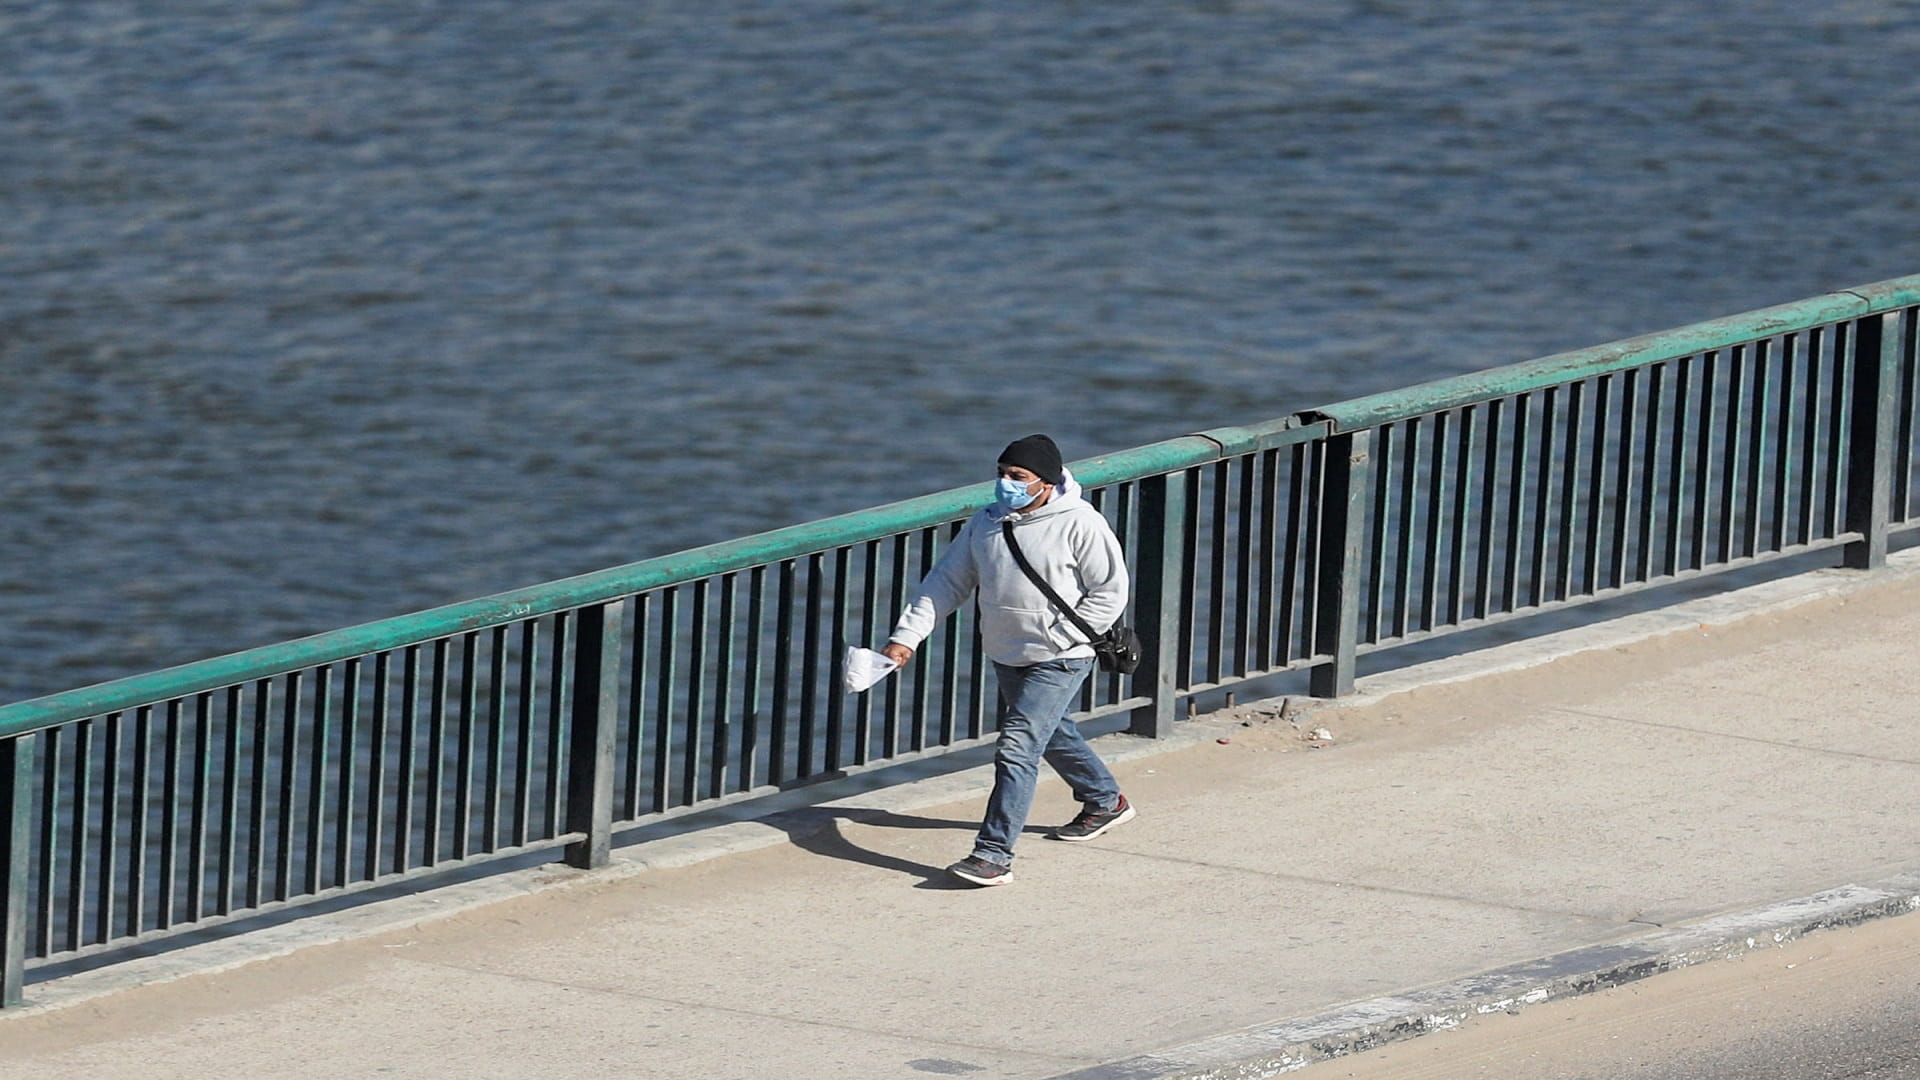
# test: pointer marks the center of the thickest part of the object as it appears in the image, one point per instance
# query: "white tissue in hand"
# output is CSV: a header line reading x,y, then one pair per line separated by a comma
x,y
866,667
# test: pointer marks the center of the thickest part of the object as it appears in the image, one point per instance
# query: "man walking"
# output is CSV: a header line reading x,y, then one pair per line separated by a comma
x,y
1039,656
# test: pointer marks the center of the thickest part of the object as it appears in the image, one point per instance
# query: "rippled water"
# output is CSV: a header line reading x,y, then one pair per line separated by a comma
x,y
316,312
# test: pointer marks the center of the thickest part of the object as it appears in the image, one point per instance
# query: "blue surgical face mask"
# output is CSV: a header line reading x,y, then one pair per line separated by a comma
x,y
1012,494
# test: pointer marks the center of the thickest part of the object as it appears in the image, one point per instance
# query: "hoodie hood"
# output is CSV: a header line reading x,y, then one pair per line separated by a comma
x,y
1065,497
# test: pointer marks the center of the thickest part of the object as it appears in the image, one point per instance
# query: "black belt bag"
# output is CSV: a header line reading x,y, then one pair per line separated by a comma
x,y
1117,650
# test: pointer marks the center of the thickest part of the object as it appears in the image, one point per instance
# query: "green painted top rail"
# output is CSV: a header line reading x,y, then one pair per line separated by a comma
x,y
1385,408
600,586
799,541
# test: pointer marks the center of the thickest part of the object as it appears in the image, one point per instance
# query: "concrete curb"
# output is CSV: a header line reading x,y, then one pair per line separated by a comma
x,y
1350,1029
766,820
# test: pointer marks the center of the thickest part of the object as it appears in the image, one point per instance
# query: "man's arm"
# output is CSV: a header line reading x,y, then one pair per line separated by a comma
x,y
947,586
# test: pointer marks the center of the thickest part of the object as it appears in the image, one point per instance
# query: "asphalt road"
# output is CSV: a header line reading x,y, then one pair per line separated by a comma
x,y
1838,1004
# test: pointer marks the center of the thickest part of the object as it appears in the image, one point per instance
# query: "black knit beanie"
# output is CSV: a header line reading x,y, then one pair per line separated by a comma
x,y
1037,455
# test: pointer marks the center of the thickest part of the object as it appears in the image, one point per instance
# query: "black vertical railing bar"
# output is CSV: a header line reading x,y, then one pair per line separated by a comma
x,y
1520,457
463,748
197,823
1403,620
1810,442
1703,470
1544,469
836,656
1621,519
1733,446
869,638
1374,616
749,774
346,821
1243,567
496,789
138,815
226,860
1218,535
1784,442
1840,404
949,645
1652,441
694,735
665,715
1269,656
1439,461
1595,524
1570,535
526,685
1315,544
922,671
809,737
48,883
1124,528
723,725
1677,473
377,754
79,852
1464,477
169,873
982,699
782,676
1489,508
1296,635
1758,406
108,879
1189,571
559,698
284,819
431,821
404,764
317,766
633,774
896,593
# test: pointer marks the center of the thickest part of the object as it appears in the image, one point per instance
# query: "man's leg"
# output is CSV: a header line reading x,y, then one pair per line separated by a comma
x,y
1092,782
1033,700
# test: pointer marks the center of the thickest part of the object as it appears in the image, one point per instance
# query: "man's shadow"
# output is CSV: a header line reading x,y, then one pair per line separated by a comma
x,y
817,829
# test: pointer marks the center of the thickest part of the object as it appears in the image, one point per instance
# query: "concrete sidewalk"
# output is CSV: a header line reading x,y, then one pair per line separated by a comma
x,y
1561,794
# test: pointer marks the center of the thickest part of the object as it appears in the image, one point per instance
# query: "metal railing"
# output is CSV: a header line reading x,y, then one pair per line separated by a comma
x,y
547,718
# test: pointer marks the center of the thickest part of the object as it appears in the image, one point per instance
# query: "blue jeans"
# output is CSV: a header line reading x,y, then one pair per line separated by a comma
x,y
1034,702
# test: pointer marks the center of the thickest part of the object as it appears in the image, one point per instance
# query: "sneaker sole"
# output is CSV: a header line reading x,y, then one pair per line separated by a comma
x,y
988,882
1125,816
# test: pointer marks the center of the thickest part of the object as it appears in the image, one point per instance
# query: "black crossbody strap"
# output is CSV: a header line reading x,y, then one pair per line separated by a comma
x,y
1006,530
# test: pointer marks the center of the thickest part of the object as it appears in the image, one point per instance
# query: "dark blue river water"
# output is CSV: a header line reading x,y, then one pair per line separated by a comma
x,y
318,311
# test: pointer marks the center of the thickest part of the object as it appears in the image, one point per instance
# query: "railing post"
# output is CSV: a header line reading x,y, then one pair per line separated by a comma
x,y
1876,386
1336,611
1158,559
596,711
16,803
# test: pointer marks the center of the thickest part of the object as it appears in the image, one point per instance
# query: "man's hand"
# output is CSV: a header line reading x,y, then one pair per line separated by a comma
x,y
897,653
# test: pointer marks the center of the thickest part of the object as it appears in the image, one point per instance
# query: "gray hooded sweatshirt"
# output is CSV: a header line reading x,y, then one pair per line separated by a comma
x,y
1068,542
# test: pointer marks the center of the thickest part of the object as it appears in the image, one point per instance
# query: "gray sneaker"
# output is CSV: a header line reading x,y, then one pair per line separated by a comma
x,y
981,872
1091,823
